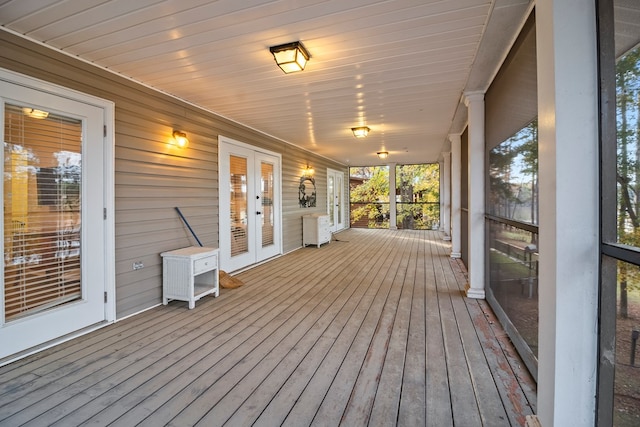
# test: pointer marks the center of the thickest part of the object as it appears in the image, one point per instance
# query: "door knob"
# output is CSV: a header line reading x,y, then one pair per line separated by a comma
x,y
258,213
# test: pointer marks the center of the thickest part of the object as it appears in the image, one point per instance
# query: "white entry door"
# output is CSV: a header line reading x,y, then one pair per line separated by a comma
x,y
53,275
249,205
335,200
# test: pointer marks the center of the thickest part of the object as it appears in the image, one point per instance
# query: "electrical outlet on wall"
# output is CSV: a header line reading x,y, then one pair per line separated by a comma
x,y
138,265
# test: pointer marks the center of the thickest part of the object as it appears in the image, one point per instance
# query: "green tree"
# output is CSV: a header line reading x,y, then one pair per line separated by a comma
x,y
513,176
417,195
369,195
528,152
628,175
418,192
501,195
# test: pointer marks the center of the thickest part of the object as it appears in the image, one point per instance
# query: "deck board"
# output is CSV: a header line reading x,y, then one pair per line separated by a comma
x,y
389,385
412,410
372,329
274,396
338,396
197,371
342,334
439,408
361,401
490,408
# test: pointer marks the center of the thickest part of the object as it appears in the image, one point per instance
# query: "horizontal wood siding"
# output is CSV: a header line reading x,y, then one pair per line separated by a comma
x,y
152,177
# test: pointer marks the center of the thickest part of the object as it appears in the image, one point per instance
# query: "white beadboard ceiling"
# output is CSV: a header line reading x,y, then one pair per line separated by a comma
x,y
397,66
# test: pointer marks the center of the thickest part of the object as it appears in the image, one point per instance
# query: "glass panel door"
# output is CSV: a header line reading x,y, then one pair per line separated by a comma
x,y
339,204
42,210
267,215
238,206
249,209
335,201
331,202
54,243
267,222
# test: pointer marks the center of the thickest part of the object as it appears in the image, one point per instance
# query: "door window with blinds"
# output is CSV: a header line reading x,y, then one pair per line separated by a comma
x,y
266,188
335,202
239,199
42,210
330,200
249,204
56,239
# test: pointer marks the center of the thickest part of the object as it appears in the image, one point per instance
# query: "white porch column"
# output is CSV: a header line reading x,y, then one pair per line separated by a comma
x,y
475,103
441,200
392,197
456,203
569,218
445,196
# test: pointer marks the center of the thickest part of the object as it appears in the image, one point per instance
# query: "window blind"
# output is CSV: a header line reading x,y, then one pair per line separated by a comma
x,y
42,215
239,238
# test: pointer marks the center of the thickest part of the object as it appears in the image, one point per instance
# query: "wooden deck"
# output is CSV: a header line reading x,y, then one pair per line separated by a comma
x,y
371,329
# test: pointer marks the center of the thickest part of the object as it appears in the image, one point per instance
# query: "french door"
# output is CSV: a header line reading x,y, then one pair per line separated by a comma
x,y
249,205
53,274
335,200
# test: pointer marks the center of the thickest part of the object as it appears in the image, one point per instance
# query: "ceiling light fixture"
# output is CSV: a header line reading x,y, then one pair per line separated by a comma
x,y
360,131
382,154
290,57
181,139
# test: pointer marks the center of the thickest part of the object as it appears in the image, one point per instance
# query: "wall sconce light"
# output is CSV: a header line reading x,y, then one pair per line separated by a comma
x,y
360,131
308,171
382,154
290,57
181,139
36,114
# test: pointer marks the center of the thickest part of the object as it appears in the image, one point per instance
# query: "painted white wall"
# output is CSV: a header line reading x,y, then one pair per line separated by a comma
x,y
569,223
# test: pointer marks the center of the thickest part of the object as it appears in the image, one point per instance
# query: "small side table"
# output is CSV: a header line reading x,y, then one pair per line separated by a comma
x,y
188,274
315,229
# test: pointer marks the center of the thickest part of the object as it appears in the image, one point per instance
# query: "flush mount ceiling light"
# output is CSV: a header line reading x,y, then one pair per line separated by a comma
x,y
360,131
290,57
181,138
382,154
